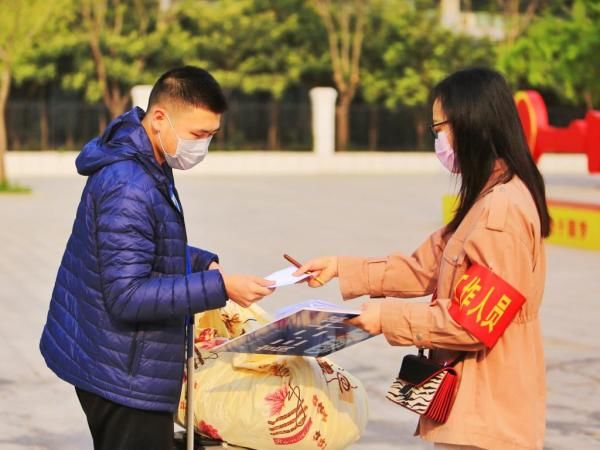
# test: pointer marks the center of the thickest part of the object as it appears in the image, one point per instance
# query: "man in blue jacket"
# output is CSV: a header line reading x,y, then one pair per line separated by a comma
x,y
128,279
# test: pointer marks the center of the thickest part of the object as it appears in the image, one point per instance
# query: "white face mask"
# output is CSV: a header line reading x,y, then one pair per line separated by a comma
x,y
188,152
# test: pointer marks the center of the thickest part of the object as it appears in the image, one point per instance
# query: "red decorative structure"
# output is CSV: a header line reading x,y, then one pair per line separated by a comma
x,y
581,136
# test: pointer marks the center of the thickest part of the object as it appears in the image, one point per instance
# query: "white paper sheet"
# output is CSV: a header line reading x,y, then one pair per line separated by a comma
x,y
284,277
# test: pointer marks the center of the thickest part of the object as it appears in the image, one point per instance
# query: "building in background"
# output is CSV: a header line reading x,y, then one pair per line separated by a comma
x,y
474,23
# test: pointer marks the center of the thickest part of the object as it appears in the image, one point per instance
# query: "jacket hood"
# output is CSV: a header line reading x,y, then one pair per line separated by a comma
x,y
124,138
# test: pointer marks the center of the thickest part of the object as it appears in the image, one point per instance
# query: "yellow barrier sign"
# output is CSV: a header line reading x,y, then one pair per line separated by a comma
x,y
449,205
573,224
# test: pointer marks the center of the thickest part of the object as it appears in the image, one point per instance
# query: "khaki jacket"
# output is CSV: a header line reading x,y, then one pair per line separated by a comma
x,y
500,403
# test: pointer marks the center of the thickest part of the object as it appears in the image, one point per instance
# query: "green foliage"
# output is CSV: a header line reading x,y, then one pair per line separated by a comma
x,y
136,41
13,188
559,52
21,23
131,37
39,61
268,46
408,52
254,45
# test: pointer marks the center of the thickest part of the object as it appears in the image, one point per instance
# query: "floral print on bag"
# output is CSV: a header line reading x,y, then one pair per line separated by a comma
x,y
208,430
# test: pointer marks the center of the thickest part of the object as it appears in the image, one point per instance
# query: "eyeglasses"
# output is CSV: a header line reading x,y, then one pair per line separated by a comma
x,y
432,127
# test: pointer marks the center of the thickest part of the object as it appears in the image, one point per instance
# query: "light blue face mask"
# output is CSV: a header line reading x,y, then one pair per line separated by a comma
x,y
188,152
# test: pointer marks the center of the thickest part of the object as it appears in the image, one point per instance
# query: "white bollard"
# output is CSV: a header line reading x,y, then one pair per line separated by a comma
x,y
140,94
323,120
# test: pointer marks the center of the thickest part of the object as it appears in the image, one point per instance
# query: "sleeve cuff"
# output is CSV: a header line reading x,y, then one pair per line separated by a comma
x,y
211,259
361,276
201,259
405,323
210,293
376,272
352,277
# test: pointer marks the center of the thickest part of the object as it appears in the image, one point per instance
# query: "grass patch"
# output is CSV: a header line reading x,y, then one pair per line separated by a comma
x,y
13,188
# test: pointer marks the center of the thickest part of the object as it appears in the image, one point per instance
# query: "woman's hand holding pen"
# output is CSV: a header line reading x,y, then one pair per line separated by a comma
x,y
322,269
326,268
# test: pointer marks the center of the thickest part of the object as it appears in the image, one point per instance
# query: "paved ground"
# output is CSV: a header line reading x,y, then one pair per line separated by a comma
x,y
251,221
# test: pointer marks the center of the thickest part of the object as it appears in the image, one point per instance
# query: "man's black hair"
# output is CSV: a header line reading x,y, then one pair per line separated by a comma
x,y
190,86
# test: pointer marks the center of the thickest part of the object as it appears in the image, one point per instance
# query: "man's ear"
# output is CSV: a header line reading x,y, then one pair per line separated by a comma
x,y
157,116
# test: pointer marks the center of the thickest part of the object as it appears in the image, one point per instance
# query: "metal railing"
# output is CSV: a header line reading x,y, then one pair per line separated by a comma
x,y
247,125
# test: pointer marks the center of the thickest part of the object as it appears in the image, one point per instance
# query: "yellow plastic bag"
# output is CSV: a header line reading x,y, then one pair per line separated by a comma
x,y
269,401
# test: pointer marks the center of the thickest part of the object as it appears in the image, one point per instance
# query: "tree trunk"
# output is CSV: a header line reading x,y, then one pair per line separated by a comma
x,y
231,130
420,128
4,91
516,21
588,99
342,115
273,134
116,101
220,136
70,140
345,26
101,120
44,133
225,119
116,108
511,18
373,127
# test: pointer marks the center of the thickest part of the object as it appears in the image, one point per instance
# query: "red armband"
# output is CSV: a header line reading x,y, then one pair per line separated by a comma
x,y
484,304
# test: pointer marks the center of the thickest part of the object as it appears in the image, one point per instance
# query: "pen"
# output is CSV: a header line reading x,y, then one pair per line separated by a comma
x,y
298,265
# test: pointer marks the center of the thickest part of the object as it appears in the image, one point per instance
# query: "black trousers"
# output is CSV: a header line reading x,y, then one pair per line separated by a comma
x,y
118,427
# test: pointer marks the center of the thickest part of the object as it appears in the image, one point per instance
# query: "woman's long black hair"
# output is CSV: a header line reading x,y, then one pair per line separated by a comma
x,y
481,111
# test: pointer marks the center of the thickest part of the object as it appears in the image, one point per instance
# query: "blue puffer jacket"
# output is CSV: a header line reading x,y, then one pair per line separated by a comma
x,y
128,279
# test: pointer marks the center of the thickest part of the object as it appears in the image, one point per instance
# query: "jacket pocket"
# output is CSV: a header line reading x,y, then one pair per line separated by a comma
x,y
451,267
454,252
135,353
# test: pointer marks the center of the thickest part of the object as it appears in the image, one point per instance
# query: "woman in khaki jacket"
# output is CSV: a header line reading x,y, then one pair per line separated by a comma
x,y
500,224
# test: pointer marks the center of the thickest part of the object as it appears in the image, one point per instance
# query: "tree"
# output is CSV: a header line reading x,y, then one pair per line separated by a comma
x,y
292,48
124,38
408,53
517,16
44,63
256,46
21,24
560,52
383,29
345,22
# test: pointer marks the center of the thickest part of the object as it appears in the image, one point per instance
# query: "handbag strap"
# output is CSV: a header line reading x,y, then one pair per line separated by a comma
x,y
458,359
454,362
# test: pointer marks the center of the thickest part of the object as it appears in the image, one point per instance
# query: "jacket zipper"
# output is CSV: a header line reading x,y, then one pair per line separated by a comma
x,y
132,357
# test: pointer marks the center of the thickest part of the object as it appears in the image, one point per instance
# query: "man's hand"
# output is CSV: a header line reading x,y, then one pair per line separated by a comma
x,y
370,318
324,268
247,289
